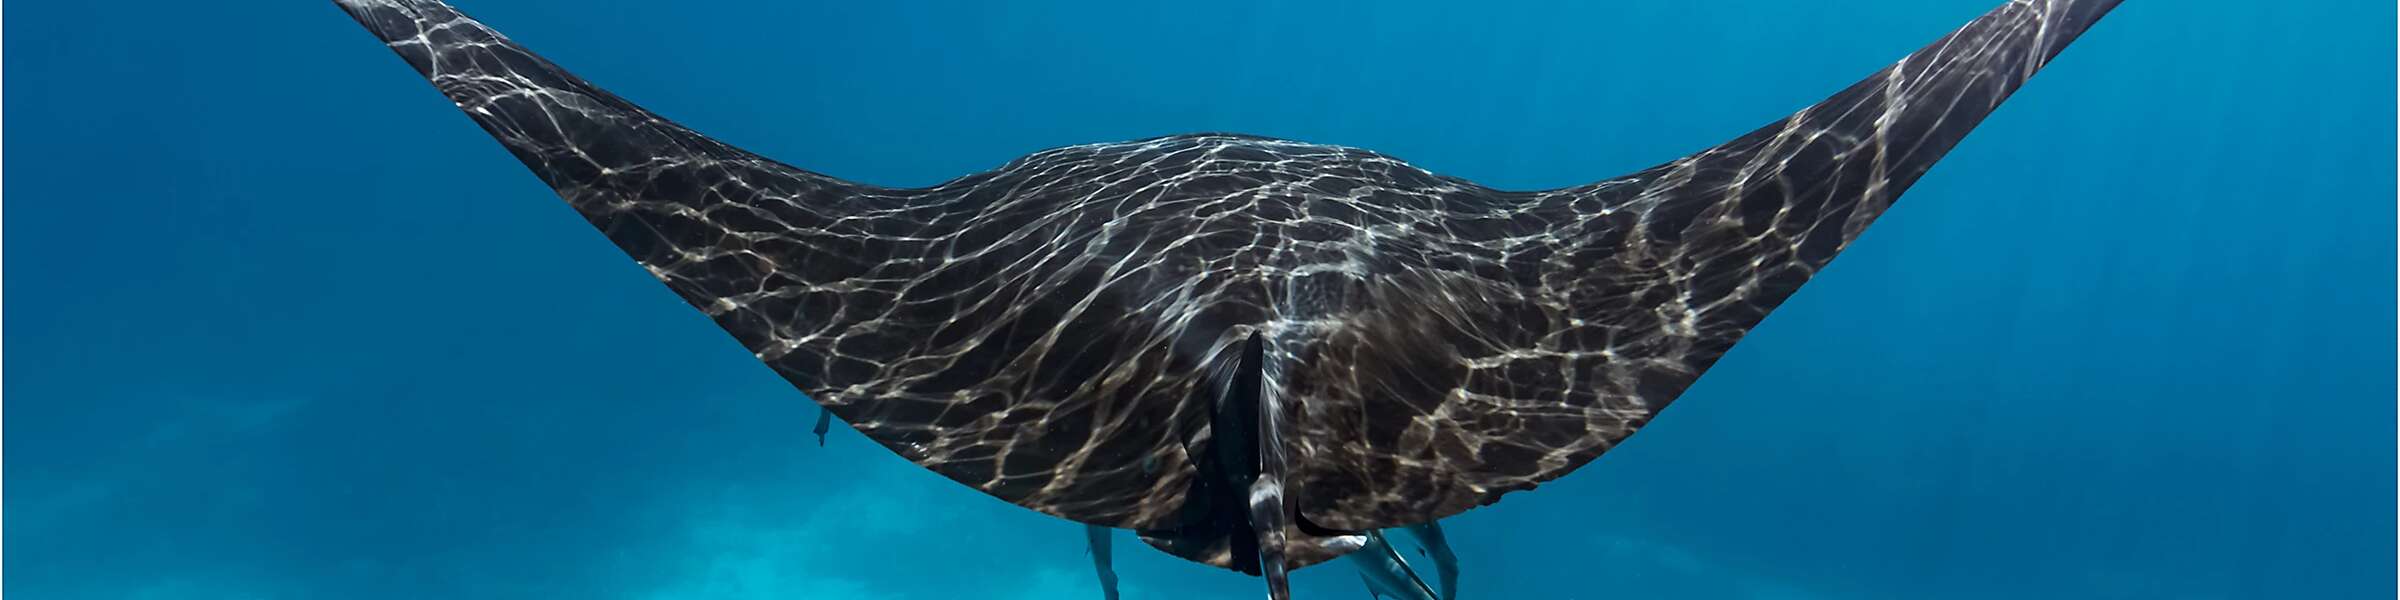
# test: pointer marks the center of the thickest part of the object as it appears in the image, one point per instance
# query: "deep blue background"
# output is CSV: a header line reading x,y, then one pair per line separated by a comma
x,y
282,324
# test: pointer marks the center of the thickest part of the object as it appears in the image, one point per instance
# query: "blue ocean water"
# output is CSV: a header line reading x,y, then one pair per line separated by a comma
x,y
283,324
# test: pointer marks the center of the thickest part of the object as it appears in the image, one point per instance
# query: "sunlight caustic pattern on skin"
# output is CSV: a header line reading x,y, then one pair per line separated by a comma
x,y
1044,331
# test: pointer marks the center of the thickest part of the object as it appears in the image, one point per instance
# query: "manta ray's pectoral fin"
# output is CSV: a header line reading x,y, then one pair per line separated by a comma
x,y
653,186
1551,353
917,316
757,245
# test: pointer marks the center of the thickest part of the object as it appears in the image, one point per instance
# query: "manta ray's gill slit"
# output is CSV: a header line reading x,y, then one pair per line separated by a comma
x,y
1048,332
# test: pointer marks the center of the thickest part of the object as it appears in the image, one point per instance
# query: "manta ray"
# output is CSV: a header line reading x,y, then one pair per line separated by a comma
x,y
1250,350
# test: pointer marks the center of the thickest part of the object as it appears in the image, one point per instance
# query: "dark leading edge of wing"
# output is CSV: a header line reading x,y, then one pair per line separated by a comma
x,y
1045,332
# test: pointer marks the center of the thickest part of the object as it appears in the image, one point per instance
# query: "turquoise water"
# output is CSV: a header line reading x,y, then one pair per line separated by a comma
x,y
285,325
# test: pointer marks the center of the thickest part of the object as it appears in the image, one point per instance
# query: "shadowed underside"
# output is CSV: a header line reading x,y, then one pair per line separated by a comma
x,y
1064,332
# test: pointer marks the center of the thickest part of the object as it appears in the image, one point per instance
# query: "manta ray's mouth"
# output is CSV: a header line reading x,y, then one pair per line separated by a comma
x,y
1413,345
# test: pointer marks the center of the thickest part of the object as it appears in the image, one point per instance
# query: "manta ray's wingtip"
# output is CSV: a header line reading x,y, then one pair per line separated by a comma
x,y
406,5
365,9
394,20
